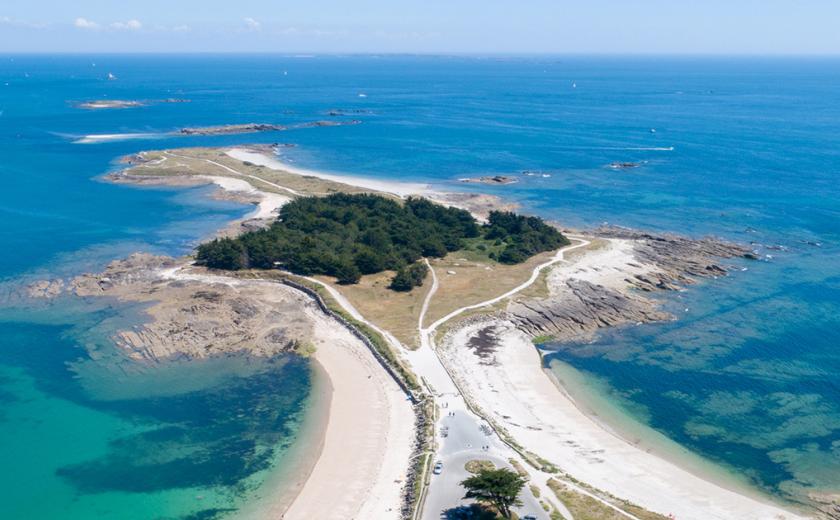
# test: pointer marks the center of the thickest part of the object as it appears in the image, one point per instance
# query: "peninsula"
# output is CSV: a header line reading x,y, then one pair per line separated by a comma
x,y
413,302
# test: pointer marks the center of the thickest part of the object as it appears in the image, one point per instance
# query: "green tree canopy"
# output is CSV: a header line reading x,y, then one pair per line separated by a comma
x,y
409,277
347,236
497,487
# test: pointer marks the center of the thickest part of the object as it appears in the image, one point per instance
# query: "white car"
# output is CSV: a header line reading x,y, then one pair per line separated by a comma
x,y
438,468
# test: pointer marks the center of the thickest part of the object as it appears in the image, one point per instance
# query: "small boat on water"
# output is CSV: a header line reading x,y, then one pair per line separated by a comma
x,y
111,77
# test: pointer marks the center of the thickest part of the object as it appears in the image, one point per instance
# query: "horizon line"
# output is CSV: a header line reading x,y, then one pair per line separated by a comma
x,y
310,54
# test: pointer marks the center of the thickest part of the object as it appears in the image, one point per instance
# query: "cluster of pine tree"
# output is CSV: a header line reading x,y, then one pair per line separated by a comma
x,y
347,236
524,236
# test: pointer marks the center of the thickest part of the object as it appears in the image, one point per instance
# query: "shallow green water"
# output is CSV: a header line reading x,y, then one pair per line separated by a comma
x,y
108,438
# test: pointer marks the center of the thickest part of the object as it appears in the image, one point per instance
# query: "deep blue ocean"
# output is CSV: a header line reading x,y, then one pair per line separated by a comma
x,y
743,148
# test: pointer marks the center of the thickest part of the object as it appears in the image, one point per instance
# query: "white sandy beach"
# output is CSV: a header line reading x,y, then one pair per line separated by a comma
x,y
401,189
369,434
108,138
522,398
368,440
269,202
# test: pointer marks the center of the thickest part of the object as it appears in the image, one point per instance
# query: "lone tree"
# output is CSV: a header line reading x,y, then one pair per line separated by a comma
x,y
497,487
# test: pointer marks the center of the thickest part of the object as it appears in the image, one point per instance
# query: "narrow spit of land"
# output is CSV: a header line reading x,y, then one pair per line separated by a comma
x,y
584,287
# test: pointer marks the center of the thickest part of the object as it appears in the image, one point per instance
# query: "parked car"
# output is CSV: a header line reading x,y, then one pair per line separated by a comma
x,y
529,517
438,468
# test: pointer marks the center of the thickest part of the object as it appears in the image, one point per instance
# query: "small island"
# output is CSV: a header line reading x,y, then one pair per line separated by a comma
x,y
491,179
109,103
251,128
244,128
100,104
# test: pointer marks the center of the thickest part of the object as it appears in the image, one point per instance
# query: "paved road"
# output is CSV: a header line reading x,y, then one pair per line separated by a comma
x,y
466,438
463,444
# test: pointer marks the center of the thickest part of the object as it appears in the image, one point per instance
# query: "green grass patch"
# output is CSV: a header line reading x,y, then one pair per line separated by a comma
x,y
474,466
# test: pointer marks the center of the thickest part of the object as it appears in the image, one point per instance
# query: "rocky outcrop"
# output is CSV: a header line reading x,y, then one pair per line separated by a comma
x,y
250,128
139,268
623,165
45,288
246,128
490,179
828,505
579,309
679,260
194,315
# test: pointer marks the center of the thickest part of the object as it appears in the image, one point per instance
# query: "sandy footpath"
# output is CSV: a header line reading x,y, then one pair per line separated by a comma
x,y
368,440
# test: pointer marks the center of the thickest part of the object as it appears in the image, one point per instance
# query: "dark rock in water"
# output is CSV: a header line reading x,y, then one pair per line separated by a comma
x,y
579,309
343,112
624,165
314,124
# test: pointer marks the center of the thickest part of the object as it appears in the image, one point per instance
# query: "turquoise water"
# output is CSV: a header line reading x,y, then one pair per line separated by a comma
x,y
744,148
102,437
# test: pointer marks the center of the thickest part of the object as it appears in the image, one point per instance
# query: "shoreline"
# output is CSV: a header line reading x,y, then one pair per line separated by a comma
x,y
515,392
615,421
306,497
356,410
366,443
284,484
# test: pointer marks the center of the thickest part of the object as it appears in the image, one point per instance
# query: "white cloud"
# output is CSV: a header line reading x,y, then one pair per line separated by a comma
x,y
252,24
84,23
131,25
181,28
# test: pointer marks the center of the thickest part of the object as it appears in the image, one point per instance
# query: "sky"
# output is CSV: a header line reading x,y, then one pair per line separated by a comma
x,y
428,26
